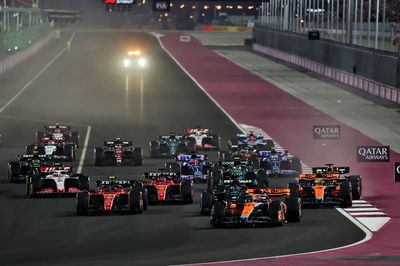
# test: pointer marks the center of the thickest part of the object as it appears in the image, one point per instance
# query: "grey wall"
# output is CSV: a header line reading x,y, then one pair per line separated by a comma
x,y
376,65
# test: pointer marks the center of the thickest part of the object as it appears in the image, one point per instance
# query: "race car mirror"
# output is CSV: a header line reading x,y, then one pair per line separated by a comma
x,y
397,172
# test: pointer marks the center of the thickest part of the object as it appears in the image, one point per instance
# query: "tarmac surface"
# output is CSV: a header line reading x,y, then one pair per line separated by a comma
x,y
87,87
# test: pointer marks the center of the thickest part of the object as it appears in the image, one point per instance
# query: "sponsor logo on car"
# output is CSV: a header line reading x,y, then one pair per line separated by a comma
x,y
373,153
326,132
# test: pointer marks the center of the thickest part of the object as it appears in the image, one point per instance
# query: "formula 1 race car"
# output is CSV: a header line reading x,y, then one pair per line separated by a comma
x,y
168,187
59,133
171,145
355,180
193,167
28,165
58,149
56,181
325,190
203,138
113,196
258,141
241,170
279,163
118,152
238,205
135,61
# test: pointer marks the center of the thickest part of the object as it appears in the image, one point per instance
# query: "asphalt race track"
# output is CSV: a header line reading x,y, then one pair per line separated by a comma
x,y
87,87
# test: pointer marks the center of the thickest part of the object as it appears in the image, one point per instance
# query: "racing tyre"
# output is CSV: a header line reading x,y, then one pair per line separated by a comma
x,y
217,142
285,165
136,201
214,179
296,165
82,203
206,202
70,151
269,144
345,194
173,167
33,186
191,145
356,186
137,156
276,212
225,156
218,214
262,178
265,165
154,149
293,209
14,170
83,182
29,149
39,136
75,138
187,191
98,156
294,190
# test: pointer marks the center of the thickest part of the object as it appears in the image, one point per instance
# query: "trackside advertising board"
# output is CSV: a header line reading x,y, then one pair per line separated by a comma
x,y
397,172
373,154
326,132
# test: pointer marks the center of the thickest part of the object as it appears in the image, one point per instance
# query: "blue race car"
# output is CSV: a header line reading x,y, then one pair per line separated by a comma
x,y
279,163
258,141
171,145
192,167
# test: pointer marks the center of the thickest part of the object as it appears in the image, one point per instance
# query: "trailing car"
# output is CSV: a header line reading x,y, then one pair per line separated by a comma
x,y
118,152
242,170
59,133
203,138
171,145
28,165
237,205
56,181
325,190
341,172
125,196
258,141
168,187
279,163
58,149
191,167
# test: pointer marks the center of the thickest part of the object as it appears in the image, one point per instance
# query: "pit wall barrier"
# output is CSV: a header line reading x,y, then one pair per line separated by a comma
x,y
16,58
228,28
383,91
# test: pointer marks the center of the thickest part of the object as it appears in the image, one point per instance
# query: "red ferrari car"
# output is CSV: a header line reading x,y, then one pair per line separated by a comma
x,y
168,187
113,196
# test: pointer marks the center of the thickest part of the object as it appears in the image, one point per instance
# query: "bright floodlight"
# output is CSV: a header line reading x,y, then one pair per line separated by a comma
x,y
127,63
142,62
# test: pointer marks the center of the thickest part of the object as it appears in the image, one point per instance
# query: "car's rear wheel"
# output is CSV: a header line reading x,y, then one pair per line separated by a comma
x,y
206,202
137,156
136,201
217,214
82,203
187,191
356,186
294,210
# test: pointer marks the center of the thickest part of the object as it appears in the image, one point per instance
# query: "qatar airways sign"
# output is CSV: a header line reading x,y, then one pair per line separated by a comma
x,y
326,132
397,172
373,153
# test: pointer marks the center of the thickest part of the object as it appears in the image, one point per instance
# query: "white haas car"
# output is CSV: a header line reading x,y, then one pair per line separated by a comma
x,y
203,138
56,181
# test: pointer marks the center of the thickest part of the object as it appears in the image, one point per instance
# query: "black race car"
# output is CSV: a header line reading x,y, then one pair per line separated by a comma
x,y
171,145
58,149
28,165
118,152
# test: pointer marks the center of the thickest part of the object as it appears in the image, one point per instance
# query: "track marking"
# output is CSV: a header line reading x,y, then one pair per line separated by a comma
x,y
83,154
35,77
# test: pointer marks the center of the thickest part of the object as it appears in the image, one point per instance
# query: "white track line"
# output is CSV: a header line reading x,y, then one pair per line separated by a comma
x,y
35,77
368,234
83,154
361,209
366,213
157,36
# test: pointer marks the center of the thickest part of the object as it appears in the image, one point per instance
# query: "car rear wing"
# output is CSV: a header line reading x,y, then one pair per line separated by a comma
x,y
30,156
331,170
231,163
197,130
165,137
51,169
124,183
59,127
112,143
186,157
315,176
268,153
273,192
241,181
161,174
